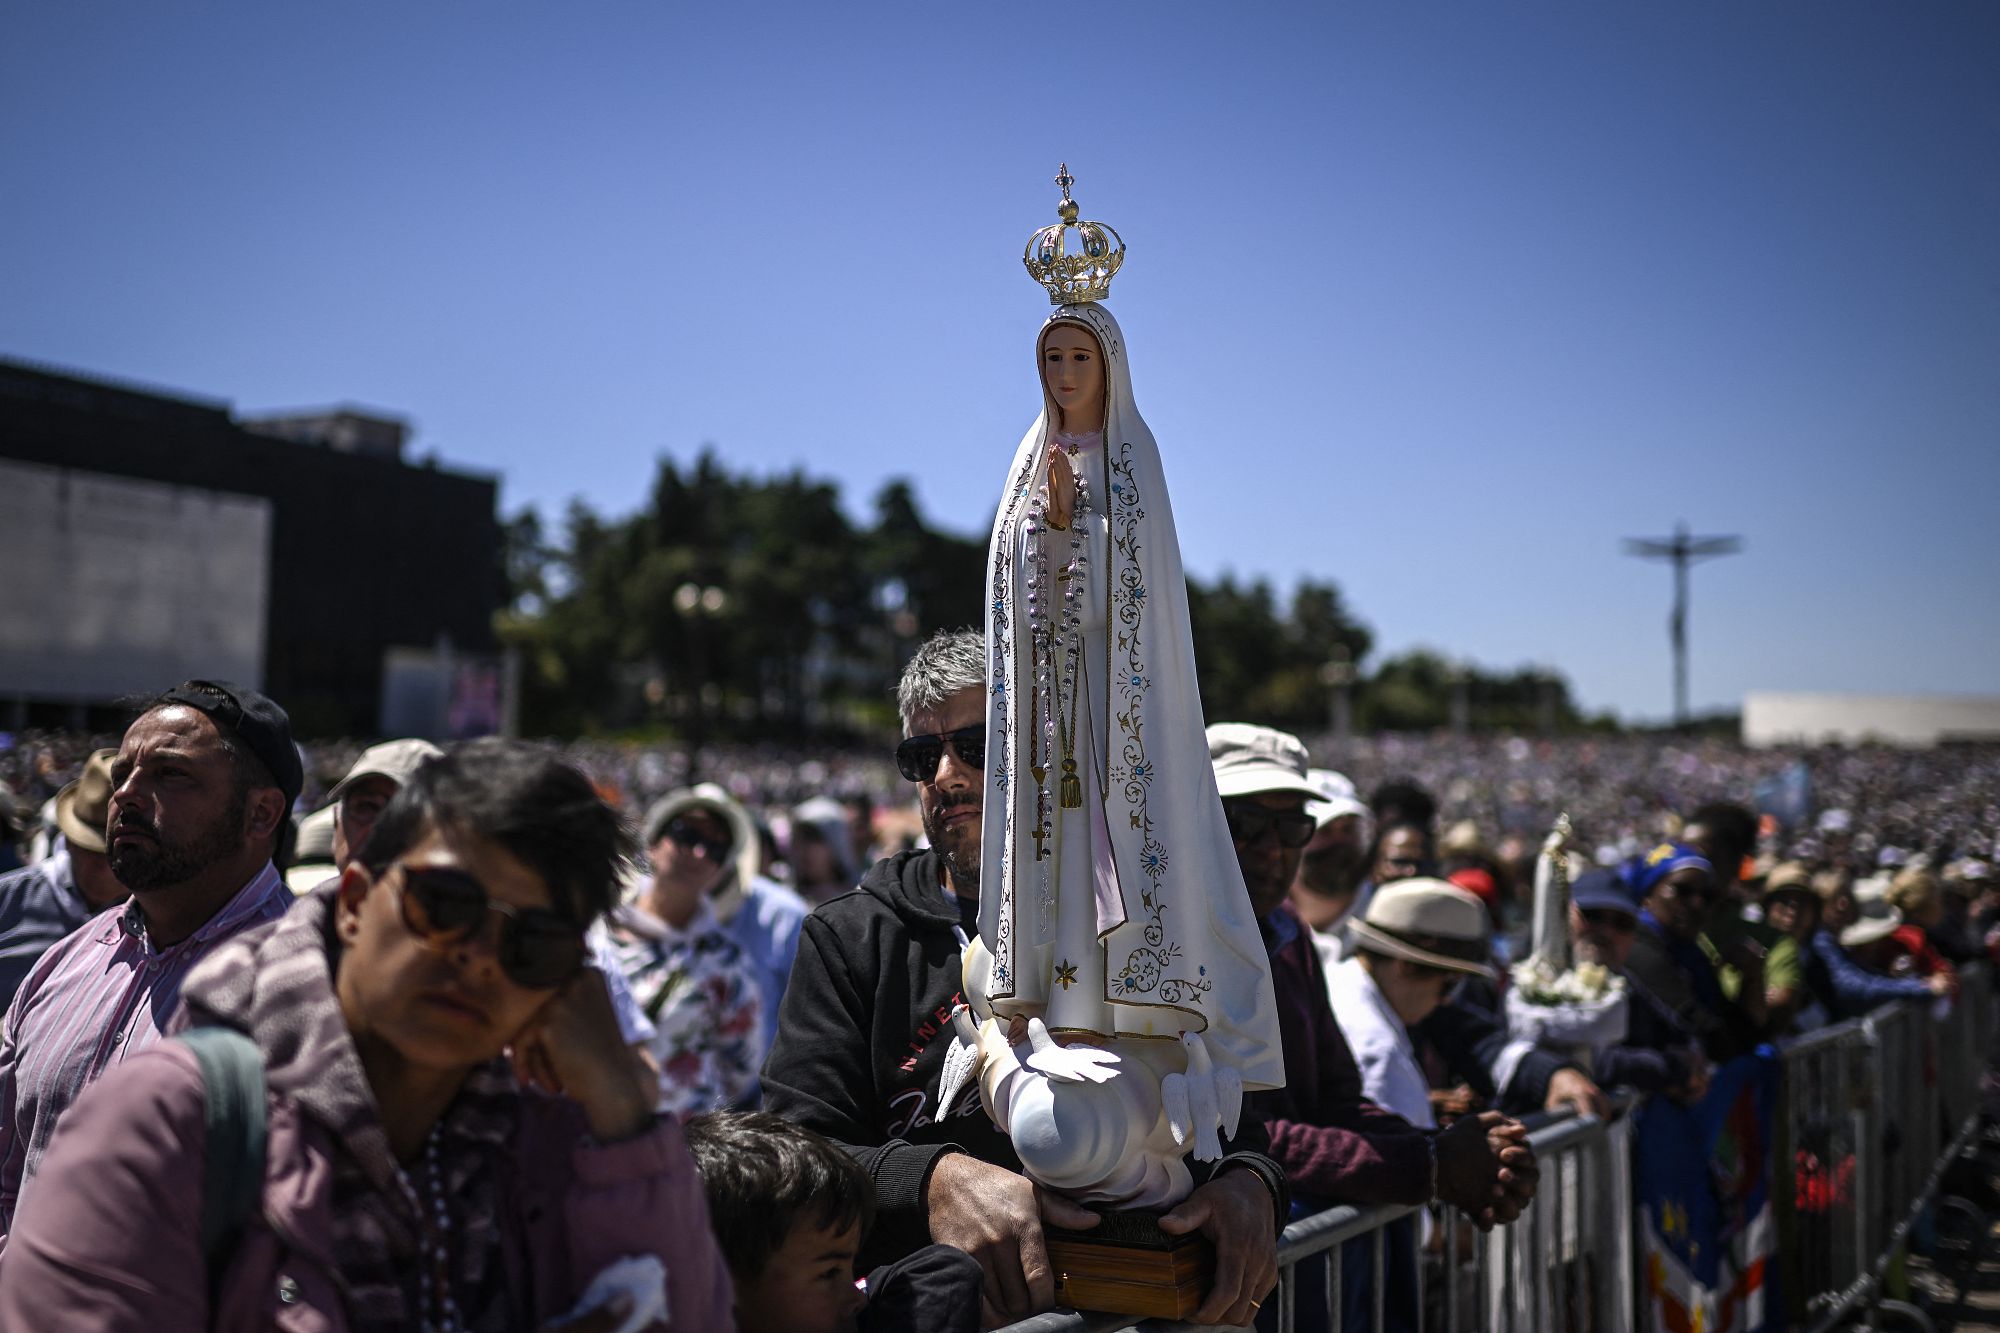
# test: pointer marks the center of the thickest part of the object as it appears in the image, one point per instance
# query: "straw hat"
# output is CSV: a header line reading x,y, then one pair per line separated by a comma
x,y
1426,921
1462,839
1789,877
82,807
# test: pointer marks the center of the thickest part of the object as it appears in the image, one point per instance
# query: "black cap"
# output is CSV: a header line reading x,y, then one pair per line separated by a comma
x,y
253,719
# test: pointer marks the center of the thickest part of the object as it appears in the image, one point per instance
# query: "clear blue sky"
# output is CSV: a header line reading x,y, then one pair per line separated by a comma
x,y
1436,300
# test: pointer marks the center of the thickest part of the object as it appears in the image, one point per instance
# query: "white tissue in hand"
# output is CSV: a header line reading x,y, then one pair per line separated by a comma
x,y
642,1277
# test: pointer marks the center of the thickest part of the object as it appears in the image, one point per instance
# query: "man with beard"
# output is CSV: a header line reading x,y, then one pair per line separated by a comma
x,y
203,781
866,1022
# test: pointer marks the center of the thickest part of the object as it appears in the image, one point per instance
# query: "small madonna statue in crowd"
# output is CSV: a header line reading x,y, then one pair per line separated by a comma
x,y
1119,989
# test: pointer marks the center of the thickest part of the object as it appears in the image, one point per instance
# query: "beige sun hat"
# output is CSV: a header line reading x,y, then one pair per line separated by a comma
x,y
1462,839
82,806
1249,759
1427,921
394,760
744,849
1789,877
1912,890
1877,921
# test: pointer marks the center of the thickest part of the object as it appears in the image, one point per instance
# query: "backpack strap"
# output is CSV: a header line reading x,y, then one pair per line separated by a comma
x,y
234,1127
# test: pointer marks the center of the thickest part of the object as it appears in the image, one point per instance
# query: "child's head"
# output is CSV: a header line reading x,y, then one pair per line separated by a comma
x,y
789,1211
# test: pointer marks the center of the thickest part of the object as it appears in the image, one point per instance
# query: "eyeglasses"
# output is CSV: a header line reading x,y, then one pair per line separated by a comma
x,y
689,835
1605,918
1249,821
918,757
444,908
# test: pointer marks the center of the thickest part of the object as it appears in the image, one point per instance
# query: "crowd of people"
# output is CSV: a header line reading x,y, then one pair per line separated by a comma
x,y
504,1035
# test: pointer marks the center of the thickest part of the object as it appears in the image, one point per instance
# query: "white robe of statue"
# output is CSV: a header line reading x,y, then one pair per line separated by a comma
x,y
1120,924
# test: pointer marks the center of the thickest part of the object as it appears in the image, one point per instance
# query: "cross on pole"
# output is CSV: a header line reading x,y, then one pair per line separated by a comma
x,y
1683,551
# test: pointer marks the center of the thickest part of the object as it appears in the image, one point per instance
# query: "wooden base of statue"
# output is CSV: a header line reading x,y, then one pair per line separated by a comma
x,y
1127,1265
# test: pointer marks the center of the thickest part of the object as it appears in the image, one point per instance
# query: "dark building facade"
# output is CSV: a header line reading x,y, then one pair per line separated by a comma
x,y
367,552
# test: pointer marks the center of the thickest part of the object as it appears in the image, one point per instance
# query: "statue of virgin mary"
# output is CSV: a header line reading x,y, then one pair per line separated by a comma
x,y
1111,907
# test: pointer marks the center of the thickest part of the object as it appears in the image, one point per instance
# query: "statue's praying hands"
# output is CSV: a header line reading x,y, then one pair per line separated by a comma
x,y
1062,491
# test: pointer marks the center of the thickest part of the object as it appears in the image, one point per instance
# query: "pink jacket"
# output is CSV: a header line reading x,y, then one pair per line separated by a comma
x,y
124,1252
108,1234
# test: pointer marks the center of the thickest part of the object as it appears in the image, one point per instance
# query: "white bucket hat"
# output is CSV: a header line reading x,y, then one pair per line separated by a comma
x,y
1251,759
1338,800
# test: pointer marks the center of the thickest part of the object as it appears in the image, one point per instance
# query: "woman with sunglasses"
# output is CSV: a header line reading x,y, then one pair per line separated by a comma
x,y
408,1180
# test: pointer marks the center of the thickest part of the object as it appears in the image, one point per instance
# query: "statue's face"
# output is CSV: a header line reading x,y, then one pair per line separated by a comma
x,y
1073,373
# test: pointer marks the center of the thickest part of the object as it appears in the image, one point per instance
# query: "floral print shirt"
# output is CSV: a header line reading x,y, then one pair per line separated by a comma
x,y
701,994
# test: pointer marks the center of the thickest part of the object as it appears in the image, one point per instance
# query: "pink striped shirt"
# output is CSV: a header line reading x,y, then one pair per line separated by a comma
x,y
98,995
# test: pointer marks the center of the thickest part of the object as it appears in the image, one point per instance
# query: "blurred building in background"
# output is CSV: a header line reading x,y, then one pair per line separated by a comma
x,y
1797,718
147,537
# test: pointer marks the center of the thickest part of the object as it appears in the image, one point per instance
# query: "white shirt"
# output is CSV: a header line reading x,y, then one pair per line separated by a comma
x,y
1331,944
1390,1074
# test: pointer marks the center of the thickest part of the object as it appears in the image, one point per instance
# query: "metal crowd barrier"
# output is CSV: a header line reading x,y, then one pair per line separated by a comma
x,y
1565,1263
1871,1113
1872,1141
1822,1136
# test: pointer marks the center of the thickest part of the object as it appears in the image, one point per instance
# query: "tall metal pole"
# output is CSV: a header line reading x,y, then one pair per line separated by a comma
x,y
1683,551
1680,637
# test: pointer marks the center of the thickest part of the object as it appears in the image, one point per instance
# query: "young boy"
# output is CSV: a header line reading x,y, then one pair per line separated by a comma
x,y
789,1211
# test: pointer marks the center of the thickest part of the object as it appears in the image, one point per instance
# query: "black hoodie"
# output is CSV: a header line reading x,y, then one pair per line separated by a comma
x,y
862,1036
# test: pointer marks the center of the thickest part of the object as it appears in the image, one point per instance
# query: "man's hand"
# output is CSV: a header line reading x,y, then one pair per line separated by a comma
x,y
1569,1087
996,1215
1486,1168
1448,1104
1940,984
1233,1210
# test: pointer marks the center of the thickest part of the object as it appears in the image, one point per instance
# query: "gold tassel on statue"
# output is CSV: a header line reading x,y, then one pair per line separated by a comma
x,y
1072,787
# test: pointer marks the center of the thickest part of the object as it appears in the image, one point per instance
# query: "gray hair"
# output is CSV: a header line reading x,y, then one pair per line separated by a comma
x,y
950,661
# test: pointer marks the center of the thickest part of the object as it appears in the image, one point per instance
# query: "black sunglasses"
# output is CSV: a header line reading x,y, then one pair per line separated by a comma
x,y
1249,821
444,908
918,757
1695,891
689,835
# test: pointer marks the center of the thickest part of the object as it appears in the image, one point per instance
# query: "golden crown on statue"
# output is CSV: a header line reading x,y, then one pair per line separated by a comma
x,y
1072,279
